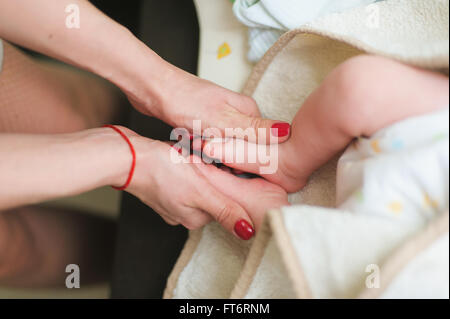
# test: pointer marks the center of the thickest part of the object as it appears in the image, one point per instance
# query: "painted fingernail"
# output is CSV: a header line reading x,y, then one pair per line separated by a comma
x,y
280,129
243,229
179,150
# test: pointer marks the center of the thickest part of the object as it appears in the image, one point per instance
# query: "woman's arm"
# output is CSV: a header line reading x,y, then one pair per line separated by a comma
x,y
99,45
154,86
35,168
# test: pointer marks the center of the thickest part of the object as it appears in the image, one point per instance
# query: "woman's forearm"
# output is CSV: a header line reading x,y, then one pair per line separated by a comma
x,y
99,45
35,168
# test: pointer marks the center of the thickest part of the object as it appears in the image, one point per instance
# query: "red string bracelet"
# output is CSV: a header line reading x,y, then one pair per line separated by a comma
x,y
133,153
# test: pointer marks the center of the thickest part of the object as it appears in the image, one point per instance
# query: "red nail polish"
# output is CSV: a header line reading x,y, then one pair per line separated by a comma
x,y
243,229
280,129
179,150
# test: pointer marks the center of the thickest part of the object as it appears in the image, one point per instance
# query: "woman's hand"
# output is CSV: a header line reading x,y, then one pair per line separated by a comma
x,y
179,98
154,86
260,195
79,162
177,190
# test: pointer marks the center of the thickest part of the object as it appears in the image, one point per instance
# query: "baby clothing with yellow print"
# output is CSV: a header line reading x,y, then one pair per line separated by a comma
x,y
401,172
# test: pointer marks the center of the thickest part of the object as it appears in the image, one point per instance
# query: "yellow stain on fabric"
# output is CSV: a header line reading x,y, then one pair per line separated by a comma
x,y
359,196
396,207
375,144
223,51
430,202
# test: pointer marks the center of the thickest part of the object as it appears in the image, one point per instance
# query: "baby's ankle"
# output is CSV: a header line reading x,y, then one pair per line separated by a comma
x,y
290,173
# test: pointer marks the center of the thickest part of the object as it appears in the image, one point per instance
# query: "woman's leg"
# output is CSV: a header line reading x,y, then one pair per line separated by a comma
x,y
45,97
37,243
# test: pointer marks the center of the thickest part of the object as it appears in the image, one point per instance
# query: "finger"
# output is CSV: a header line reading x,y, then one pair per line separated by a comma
x,y
165,215
254,129
226,169
244,156
244,104
196,219
237,171
227,212
224,210
169,220
260,195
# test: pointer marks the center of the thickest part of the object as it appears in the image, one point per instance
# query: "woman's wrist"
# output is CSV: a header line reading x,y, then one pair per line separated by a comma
x,y
106,157
70,164
140,73
114,156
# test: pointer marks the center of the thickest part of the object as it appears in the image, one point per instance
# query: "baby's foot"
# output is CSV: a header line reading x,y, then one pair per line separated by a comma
x,y
278,163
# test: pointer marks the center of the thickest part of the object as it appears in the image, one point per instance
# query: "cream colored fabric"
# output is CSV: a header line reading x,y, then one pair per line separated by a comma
x,y
311,249
434,259
219,27
267,20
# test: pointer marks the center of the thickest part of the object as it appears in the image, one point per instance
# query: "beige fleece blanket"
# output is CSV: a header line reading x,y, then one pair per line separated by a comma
x,y
311,249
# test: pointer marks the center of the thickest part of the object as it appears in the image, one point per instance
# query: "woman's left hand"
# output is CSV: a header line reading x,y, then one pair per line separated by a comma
x,y
179,98
154,86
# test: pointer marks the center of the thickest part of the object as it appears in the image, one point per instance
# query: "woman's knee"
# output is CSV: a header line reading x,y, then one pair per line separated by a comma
x,y
15,246
42,97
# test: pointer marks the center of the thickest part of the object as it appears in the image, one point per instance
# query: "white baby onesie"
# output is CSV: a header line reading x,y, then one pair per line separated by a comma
x,y
401,172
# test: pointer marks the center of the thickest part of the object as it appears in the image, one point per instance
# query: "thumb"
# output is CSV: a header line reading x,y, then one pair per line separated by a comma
x,y
225,211
254,129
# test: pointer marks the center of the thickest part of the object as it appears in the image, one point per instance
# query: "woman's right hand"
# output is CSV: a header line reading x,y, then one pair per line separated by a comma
x,y
179,192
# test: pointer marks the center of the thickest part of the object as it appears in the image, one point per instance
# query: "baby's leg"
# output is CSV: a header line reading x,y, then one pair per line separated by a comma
x,y
359,97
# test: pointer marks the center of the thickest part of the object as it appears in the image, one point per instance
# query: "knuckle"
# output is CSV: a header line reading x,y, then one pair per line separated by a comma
x,y
193,225
189,226
172,222
251,103
225,214
255,123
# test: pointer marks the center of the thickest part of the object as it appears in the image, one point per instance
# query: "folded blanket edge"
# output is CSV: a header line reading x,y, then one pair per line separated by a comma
x,y
438,62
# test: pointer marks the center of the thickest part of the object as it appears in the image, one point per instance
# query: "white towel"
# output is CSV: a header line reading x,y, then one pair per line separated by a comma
x,y
269,19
